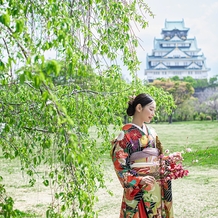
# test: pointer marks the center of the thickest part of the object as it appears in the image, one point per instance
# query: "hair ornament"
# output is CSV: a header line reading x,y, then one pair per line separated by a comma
x,y
131,99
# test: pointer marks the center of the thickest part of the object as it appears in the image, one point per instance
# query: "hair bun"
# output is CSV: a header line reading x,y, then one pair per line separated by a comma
x,y
131,99
142,99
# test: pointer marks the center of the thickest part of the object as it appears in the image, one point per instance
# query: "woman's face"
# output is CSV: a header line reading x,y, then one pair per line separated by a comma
x,y
148,112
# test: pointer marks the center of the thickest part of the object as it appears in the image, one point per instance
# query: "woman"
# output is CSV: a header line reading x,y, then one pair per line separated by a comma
x,y
136,163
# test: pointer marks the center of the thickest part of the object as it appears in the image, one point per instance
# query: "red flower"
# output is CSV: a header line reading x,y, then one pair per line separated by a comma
x,y
121,154
135,135
172,165
123,143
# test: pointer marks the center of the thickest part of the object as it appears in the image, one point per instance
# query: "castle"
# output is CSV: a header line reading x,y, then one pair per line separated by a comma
x,y
175,55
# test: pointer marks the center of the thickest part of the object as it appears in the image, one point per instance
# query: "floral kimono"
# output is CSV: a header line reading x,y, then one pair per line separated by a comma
x,y
134,155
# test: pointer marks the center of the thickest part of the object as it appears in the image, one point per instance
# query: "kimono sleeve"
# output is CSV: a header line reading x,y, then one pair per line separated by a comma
x,y
120,158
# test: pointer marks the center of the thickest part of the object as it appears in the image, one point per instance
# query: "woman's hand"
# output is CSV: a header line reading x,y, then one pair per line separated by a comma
x,y
147,180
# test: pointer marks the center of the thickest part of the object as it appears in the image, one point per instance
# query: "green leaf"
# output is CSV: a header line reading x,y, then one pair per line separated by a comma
x,y
5,19
2,66
53,67
19,26
22,78
37,81
46,182
45,96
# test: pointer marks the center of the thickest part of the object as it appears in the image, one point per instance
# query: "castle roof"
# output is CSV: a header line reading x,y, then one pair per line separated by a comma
x,y
160,66
176,52
172,25
193,66
191,41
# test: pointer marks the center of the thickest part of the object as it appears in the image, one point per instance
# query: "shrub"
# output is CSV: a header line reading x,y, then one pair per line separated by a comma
x,y
208,118
202,116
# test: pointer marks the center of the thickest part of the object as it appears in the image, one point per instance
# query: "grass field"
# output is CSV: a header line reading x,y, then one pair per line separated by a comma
x,y
201,137
197,135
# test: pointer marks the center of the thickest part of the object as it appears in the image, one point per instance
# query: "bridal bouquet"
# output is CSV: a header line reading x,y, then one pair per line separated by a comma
x,y
171,167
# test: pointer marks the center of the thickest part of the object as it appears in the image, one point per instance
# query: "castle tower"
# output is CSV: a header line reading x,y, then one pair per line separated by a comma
x,y
175,55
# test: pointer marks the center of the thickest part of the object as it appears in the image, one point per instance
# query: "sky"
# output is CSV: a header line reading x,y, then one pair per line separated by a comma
x,y
199,15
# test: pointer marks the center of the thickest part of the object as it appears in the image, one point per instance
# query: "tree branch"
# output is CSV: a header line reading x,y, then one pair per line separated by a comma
x,y
8,103
95,92
8,55
19,45
37,129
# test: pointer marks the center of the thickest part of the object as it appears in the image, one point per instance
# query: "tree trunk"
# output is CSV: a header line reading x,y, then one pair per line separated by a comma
x,y
170,118
125,119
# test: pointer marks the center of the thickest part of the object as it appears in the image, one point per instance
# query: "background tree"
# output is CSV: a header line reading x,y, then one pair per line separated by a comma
x,y
208,102
213,81
180,90
61,87
186,110
197,84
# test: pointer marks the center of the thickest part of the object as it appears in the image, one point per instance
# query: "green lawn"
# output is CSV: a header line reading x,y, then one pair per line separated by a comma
x,y
200,136
196,135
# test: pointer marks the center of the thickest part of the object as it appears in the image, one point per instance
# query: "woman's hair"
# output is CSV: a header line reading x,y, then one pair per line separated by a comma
x,y
142,99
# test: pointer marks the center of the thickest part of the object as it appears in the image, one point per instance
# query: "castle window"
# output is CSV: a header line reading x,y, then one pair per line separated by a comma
x,y
177,73
197,72
176,56
156,73
191,53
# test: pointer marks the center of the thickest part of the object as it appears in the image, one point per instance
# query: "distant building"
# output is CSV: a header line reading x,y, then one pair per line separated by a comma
x,y
175,55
